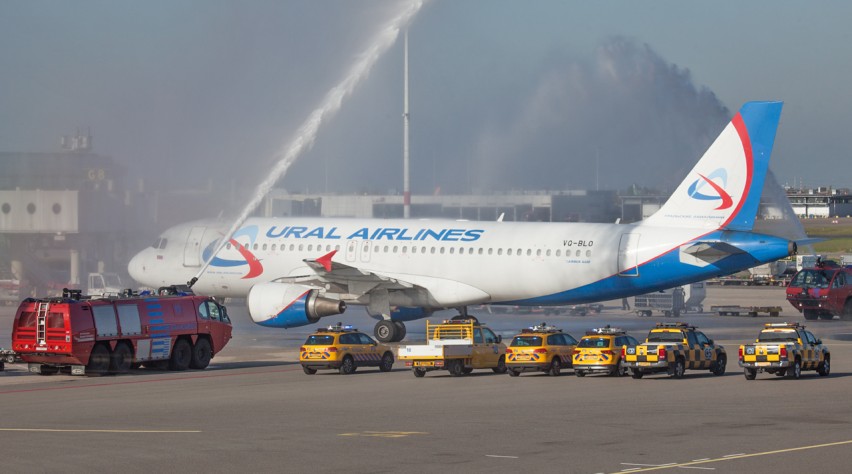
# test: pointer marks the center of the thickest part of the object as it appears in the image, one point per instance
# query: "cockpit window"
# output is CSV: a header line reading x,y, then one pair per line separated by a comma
x,y
160,243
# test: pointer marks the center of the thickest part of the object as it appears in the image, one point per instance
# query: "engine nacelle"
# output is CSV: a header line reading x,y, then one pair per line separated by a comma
x,y
284,305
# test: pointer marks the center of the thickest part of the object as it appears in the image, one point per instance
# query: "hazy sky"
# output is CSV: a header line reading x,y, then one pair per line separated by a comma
x,y
504,94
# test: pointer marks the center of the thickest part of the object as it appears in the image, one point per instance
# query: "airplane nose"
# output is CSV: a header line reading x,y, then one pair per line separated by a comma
x,y
136,267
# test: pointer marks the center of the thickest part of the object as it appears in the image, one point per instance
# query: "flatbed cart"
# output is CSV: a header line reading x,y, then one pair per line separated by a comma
x,y
753,311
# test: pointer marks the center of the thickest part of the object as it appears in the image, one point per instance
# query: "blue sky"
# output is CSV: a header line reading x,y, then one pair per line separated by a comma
x,y
505,94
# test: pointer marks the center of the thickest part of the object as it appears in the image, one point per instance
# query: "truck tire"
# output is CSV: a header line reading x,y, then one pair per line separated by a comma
x,y
181,355
387,362
826,316
721,362
847,311
810,314
348,366
419,372
501,366
456,368
555,367
636,373
98,360
201,354
750,374
678,369
795,370
121,359
825,368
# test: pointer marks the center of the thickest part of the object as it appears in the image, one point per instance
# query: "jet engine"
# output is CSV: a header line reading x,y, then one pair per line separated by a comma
x,y
285,305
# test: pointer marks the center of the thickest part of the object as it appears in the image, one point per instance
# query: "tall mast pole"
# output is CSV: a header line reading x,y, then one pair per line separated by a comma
x,y
406,189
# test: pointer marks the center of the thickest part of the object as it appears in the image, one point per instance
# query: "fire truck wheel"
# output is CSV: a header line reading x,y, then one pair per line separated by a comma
x,y
847,311
181,355
348,366
98,360
121,359
48,370
501,366
201,354
387,362
810,314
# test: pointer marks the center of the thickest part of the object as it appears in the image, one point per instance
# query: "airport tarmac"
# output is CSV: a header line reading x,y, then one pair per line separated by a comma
x,y
254,410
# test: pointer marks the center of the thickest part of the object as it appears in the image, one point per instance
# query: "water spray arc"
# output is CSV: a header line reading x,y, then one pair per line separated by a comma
x,y
330,105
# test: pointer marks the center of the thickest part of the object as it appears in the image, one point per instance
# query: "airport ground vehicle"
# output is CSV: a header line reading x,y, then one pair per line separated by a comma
x,y
599,351
540,348
673,301
9,290
784,349
86,335
106,283
458,345
823,292
343,348
753,311
674,348
7,357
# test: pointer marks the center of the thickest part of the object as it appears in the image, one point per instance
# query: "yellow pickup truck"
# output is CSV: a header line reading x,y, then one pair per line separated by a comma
x,y
456,345
674,348
784,349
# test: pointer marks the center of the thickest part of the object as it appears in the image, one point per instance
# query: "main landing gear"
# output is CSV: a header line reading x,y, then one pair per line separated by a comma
x,y
389,331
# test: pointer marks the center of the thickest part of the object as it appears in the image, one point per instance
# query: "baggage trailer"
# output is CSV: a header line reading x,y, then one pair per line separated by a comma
x,y
672,302
81,335
753,311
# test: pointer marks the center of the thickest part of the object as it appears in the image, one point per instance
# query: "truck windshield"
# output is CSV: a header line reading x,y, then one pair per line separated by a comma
x,y
811,279
777,336
526,341
665,337
111,280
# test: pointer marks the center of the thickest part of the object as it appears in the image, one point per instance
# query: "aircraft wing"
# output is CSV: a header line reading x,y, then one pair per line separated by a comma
x,y
346,279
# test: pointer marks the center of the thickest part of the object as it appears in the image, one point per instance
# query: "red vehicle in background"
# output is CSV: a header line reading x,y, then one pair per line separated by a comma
x,y
174,329
823,292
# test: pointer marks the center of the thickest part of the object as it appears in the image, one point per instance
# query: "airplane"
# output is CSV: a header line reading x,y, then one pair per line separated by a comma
x,y
296,270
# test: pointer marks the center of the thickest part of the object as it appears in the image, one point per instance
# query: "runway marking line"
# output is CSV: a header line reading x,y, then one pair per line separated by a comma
x,y
50,430
383,434
498,456
730,457
131,382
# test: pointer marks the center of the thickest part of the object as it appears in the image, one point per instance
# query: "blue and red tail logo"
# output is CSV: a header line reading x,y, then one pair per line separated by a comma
x,y
254,266
705,189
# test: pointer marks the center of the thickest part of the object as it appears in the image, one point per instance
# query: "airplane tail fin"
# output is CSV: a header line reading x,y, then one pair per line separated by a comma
x,y
723,189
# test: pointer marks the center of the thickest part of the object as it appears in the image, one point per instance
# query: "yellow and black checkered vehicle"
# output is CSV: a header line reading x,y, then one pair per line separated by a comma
x,y
784,349
674,348
343,348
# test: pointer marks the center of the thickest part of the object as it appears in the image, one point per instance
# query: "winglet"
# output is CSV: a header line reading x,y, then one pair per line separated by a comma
x,y
325,260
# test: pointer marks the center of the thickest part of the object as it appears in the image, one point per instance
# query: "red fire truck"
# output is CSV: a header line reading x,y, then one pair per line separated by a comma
x,y
172,329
